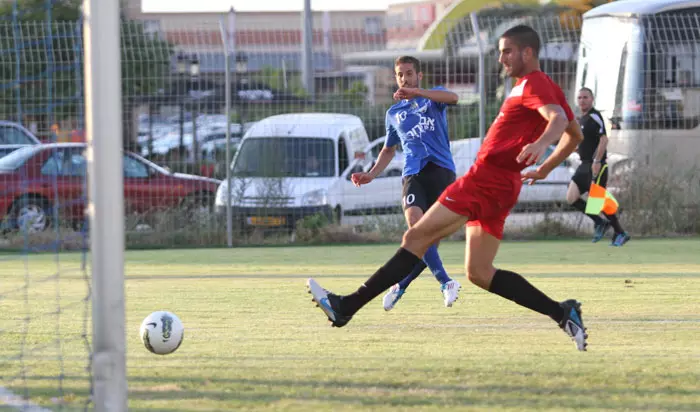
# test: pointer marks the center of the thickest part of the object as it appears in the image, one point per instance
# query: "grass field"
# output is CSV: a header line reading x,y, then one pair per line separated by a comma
x,y
254,340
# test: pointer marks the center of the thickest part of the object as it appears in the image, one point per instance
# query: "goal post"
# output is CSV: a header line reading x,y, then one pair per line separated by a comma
x,y
106,201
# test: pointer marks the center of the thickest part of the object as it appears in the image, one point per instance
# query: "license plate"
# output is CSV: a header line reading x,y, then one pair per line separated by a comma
x,y
266,221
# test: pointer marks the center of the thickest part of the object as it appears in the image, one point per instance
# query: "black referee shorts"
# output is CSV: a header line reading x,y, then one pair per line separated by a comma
x,y
424,188
584,176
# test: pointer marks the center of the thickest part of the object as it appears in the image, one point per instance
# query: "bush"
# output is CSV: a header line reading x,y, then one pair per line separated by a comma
x,y
308,229
317,229
391,228
547,228
656,201
49,241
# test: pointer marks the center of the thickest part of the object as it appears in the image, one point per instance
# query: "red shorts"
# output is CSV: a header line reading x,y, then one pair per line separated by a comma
x,y
485,194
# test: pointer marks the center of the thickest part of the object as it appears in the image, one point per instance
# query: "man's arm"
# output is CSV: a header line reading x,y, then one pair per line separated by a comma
x,y
600,151
383,160
557,123
567,144
439,96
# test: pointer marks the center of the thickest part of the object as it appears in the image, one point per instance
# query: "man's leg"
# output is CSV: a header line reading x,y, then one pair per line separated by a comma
x,y
431,259
419,192
412,214
437,223
615,223
481,249
573,197
620,237
448,286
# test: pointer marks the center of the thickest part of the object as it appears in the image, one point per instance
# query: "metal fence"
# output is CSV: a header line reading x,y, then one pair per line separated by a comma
x,y
194,85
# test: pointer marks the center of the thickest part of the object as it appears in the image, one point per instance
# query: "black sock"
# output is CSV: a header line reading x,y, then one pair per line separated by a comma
x,y
615,223
400,265
514,287
580,205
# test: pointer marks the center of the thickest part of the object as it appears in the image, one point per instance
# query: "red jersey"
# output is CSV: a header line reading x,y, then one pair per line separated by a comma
x,y
518,123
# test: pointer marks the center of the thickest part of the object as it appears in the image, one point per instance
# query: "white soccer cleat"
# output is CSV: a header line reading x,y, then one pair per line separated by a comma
x,y
450,292
392,296
572,324
328,303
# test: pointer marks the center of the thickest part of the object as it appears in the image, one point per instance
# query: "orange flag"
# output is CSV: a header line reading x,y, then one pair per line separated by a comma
x,y
599,199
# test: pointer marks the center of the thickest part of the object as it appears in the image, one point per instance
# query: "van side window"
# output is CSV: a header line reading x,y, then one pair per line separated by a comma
x,y
343,161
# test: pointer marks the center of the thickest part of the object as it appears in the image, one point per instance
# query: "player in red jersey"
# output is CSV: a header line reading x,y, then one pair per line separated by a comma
x,y
534,116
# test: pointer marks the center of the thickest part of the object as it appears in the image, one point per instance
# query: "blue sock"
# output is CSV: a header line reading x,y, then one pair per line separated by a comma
x,y
432,259
417,270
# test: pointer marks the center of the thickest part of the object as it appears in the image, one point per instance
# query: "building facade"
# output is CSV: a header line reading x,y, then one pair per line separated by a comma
x,y
272,39
407,22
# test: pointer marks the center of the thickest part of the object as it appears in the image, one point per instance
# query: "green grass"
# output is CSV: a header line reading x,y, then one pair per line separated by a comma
x,y
254,341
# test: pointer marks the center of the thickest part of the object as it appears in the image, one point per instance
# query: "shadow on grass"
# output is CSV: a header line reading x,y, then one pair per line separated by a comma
x,y
263,392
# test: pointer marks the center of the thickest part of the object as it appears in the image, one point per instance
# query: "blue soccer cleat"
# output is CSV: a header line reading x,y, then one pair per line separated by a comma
x,y
620,239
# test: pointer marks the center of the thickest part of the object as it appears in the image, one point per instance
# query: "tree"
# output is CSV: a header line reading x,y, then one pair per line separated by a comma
x,y
145,69
41,62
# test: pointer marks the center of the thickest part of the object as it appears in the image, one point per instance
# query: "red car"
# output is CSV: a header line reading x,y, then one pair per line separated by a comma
x,y
42,181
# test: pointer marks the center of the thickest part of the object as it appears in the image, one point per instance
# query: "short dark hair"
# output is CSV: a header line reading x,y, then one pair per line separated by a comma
x,y
586,89
408,59
524,36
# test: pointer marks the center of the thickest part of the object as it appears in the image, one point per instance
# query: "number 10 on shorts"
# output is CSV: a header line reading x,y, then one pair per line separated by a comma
x,y
409,199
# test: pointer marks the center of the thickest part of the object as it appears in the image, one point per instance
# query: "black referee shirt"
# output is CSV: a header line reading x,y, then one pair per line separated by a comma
x,y
592,127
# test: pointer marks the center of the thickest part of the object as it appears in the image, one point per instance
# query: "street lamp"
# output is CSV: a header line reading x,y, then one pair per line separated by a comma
x,y
194,66
151,112
241,70
194,75
181,64
241,63
186,65
181,69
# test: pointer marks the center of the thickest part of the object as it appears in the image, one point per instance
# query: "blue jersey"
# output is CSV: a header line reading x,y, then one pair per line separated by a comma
x,y
420,125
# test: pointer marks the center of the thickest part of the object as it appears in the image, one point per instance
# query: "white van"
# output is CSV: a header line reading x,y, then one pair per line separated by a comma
x,y
291,166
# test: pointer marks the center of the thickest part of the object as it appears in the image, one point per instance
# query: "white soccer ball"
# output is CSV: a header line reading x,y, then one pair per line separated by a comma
x,y
162,332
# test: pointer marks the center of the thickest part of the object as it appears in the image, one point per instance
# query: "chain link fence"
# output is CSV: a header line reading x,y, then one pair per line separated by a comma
x,y
194,85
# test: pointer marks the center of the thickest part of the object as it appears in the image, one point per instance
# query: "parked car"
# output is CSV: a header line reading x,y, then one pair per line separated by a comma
x,y
13,136
395,167
546,192
213,157
41,181
171,141
543,194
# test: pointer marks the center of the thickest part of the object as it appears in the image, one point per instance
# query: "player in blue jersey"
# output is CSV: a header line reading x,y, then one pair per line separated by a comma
x,y
418,121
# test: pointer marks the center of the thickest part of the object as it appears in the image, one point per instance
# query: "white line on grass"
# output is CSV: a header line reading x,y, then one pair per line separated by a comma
x,y
10,399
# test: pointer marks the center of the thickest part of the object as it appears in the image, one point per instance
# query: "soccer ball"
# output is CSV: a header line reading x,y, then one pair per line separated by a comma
x,y
162,332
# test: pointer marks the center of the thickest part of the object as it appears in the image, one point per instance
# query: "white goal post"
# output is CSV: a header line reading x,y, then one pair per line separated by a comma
x,y
106,201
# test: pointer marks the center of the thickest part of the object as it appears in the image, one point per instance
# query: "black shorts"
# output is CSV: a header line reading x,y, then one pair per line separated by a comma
x,y
424,188
584,176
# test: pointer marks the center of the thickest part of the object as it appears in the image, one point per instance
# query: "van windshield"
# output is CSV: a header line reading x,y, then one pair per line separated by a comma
x,y
645,76
285,157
